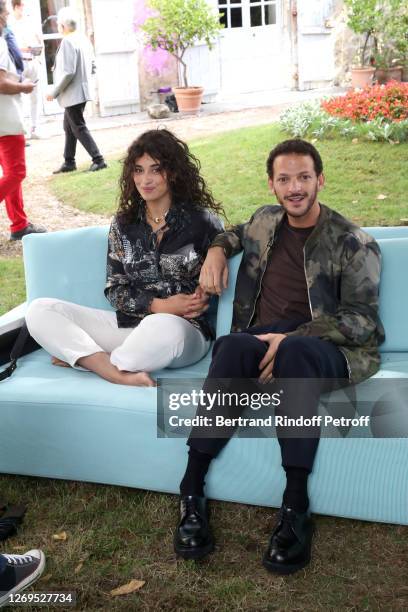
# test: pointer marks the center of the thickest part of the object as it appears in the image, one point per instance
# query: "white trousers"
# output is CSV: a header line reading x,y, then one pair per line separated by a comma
x,y
69,332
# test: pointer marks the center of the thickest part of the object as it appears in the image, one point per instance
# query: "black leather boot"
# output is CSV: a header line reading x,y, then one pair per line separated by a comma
x,y
193,538
290,543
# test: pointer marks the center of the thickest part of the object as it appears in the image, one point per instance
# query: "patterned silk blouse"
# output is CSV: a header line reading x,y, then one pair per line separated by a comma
x,y
139,269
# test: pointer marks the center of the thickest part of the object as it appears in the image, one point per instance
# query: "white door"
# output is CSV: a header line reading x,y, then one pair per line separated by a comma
x,y
251,46
316,42
116,56
43,14
52,39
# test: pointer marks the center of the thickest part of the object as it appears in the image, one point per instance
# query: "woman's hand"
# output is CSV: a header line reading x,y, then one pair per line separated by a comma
x,y
184,305
199,304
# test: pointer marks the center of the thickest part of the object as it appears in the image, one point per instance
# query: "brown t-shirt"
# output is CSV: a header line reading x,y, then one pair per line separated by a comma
x,y
284,291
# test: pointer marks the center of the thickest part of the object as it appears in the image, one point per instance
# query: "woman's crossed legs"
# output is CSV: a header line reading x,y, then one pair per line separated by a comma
x,y
91,339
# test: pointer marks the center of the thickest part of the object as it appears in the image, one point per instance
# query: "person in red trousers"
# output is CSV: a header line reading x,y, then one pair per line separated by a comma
x,y
12,140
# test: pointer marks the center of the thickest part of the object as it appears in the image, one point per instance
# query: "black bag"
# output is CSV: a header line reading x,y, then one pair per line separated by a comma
x,y
14,344
171,103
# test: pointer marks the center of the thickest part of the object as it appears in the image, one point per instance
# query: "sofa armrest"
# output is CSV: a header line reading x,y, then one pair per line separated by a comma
x,y
13,319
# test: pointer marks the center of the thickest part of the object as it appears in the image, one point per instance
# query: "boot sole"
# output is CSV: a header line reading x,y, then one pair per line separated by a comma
x,y
191,553
276,568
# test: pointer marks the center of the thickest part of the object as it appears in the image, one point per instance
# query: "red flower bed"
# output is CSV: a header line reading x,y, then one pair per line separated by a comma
x,y
388,101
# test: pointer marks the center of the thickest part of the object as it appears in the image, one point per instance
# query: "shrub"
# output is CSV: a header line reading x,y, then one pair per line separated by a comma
x,y
377,113
388,102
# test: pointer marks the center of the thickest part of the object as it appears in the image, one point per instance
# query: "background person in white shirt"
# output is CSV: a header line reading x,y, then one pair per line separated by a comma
x,y
29,42
12,141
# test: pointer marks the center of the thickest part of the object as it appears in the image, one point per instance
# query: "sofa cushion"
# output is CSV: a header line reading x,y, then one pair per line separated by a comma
x,y
379,232
69,265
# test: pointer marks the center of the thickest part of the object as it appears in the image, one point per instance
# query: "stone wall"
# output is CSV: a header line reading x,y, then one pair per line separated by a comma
x,y
151,79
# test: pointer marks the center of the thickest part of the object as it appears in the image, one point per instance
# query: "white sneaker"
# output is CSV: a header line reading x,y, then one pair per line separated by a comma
x,y
20,572
35,136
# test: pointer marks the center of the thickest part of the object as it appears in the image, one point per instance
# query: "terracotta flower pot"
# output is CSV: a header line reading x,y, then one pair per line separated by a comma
x,y
362,76
381,76
395,73
188,98
390,74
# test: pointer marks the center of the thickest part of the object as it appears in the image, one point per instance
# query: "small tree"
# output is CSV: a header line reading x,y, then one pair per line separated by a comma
x,y
177,25
385,22
363,19
395,32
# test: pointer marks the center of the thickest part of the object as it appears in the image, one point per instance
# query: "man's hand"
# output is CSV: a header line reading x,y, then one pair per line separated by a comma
x,y
49,97
27,86
214,272
184,305
268,361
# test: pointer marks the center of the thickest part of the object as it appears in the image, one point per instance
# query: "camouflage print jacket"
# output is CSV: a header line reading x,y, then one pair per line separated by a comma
x,y
342,268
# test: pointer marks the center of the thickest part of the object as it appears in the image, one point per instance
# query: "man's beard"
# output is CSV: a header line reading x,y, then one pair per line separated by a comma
x,y
310,201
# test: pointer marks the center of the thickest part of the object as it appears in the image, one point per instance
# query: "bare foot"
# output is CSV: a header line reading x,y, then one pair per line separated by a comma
x,y
137,379
58,362
100,364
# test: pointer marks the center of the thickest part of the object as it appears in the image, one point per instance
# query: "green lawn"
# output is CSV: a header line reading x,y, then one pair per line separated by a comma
x,y
234,165
12,286
115,534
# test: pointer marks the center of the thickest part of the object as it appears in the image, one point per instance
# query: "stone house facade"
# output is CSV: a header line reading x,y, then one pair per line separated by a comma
x,y
265,45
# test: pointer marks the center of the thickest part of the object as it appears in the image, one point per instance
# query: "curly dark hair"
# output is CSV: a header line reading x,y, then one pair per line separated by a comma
x,y
187,186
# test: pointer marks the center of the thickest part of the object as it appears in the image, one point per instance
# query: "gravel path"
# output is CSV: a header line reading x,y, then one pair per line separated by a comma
x,y
44,156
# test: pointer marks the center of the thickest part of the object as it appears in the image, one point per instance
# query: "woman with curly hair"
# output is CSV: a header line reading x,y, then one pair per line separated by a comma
x,y
158,240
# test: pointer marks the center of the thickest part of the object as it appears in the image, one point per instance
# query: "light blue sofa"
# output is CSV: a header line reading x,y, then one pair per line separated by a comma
x,y
64,423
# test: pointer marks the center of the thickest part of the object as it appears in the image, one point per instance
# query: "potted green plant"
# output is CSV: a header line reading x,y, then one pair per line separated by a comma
x,y
176,26
362,18
401,38
392,49
387,66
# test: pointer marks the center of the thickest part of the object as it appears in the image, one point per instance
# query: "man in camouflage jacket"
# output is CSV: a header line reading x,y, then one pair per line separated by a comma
x,y
342,269
305,308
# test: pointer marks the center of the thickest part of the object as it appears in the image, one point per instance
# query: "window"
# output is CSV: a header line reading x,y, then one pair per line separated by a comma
x,y
262,12
52,39
230,13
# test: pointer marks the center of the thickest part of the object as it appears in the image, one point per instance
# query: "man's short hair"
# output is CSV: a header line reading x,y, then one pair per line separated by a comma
x,y
298,147
15,3
67,18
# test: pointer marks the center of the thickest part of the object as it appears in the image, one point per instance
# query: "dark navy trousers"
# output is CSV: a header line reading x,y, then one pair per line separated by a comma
x,y
237,356
76,129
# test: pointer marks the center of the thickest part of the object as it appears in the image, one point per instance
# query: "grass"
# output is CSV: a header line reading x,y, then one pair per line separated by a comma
x,y
115,534
12,283
234,166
